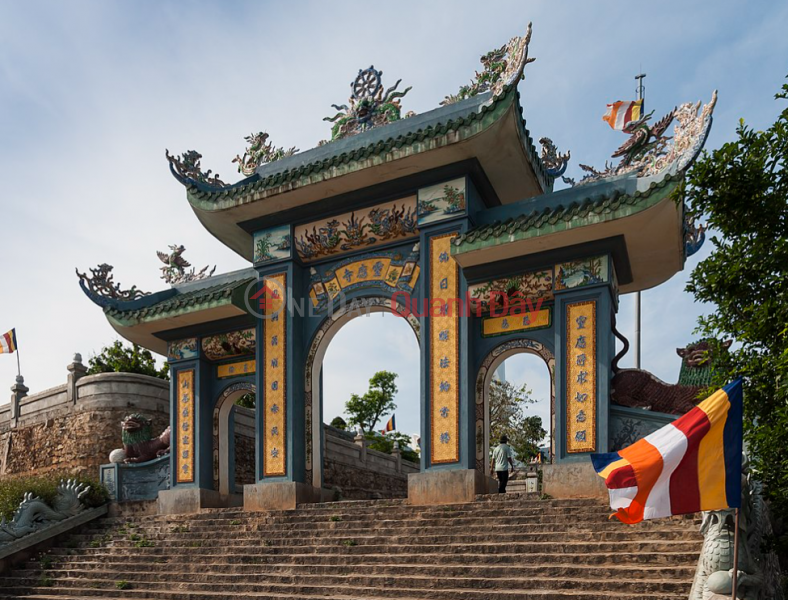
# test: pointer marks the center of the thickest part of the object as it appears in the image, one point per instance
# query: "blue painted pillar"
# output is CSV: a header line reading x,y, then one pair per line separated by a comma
x,y
191,409
447,419
280,430
584,350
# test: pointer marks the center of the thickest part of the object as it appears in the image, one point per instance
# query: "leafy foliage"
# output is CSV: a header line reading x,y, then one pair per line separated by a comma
x,y
119,358
742,191
385,444
365,411
339,423
13,489
507,417
247,401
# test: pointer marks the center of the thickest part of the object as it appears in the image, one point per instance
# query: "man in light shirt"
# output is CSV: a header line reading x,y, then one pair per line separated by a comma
x,y
502,459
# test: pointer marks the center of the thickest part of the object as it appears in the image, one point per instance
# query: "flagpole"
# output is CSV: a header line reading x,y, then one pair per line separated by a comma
x,y
636,348
18,366
735,580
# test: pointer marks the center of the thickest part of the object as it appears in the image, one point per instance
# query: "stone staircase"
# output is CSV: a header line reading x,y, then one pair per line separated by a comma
x,y
508,546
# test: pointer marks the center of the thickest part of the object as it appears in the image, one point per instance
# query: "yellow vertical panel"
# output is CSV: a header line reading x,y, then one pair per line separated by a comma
x,y
581,376
444,353
185,432
275,377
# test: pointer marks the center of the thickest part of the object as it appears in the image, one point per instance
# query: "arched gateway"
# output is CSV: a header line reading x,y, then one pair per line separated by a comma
x,y
451,217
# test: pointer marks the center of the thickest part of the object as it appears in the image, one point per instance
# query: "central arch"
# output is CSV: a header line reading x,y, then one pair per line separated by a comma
x,y
314,363
483,380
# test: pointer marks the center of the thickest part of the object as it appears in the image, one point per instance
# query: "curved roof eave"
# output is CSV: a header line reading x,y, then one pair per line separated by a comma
x,y
443,136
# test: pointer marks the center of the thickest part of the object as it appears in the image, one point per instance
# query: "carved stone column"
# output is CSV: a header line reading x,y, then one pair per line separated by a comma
x,y
76,370
20,391
361,441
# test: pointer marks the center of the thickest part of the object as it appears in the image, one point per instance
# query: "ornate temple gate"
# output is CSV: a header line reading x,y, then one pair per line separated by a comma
x,y
450,218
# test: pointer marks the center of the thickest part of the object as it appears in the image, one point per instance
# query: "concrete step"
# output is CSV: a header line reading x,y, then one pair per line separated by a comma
x,y
509,546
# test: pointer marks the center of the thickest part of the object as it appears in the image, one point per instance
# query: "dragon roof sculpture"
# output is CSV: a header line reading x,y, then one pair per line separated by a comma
x,y
648,151
258,153
503,67
101,287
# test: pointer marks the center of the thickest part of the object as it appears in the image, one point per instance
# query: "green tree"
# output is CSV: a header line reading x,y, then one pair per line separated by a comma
x,y
339,423
119,358
507,417
365,411
741,189
248,400
385,444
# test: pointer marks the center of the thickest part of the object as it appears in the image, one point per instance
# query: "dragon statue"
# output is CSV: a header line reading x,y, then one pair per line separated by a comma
x,y
648,151
369,106
174,271
758,570
641,389
101,287
554,162
186,168
139,445
644,139
34,514
694,235
258,153
502,66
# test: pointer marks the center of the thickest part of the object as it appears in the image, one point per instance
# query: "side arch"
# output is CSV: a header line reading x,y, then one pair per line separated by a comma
x,y
484,377
314,363
223,476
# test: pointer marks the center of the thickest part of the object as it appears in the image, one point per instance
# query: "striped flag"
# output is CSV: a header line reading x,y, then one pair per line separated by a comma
x,y
620,113
8,342
390,426
691,464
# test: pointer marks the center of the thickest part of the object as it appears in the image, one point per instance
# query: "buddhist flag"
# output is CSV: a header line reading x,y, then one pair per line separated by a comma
x,y
691,464
390,426
8,342
620,113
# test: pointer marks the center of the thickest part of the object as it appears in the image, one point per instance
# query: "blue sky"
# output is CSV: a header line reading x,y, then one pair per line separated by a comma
x,y
92,92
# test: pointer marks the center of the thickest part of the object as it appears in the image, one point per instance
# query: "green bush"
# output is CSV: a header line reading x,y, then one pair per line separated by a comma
x,y
13,489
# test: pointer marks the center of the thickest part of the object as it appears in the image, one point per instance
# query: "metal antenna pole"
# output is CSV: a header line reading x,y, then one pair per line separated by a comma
x,y
636,345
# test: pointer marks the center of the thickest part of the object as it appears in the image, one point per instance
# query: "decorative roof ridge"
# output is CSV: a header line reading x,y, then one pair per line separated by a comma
x,y
186,299
479,105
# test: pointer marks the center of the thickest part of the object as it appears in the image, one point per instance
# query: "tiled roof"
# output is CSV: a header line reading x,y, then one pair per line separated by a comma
x,y
189,301
598,205
377,141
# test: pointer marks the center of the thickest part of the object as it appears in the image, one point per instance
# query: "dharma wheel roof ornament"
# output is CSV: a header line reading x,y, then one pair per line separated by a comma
x,y
502,67
368,106
101,288
174,272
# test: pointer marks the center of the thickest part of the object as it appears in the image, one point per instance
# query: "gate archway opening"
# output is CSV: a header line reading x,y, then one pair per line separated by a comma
x,y
234,439
526,362
360,352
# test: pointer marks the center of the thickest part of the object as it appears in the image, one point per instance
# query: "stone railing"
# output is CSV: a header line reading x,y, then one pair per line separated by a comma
x,y
74,426
357,472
